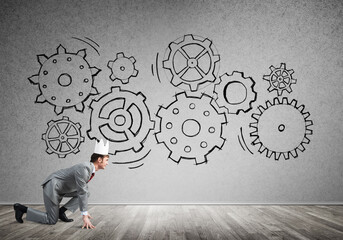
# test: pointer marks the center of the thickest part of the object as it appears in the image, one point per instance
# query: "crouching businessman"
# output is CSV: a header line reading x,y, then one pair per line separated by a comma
x,y
70,182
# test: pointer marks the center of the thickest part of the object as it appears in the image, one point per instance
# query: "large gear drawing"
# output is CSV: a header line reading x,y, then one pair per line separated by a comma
x,y
192,62
65,79
121,117
280,79
63,137
122,68
281,128
235,92
190,127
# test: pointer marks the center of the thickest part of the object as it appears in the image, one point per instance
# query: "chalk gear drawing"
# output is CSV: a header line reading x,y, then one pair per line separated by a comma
x,y
190,127
65,79
122,68
235,92
63,137
281,128
280,79
121,117
192,62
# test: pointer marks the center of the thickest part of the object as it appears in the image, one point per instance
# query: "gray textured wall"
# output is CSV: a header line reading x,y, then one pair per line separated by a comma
x,y
250,36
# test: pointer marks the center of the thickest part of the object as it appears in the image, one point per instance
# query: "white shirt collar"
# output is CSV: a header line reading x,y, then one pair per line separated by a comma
x,y
93,167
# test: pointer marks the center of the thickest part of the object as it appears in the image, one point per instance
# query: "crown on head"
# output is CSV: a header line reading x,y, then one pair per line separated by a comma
x,y
101,147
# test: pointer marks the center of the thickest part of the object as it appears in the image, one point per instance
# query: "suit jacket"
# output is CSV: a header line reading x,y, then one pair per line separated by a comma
x,y
67,181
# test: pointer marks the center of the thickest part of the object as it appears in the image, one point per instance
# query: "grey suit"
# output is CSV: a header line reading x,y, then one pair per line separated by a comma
x,y
69,182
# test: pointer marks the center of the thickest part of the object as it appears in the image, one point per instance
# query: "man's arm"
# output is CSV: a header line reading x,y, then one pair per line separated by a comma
x,y
81,177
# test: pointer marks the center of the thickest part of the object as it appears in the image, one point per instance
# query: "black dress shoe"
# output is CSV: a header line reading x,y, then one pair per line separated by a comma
x,y
64,218
19,212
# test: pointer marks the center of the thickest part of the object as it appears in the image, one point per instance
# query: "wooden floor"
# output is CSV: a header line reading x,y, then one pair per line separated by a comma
x,y
186,222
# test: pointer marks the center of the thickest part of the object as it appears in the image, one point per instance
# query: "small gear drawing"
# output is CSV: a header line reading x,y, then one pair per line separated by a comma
x,y
281,128
235,92
122,68
121,117
63,137
190,127
192,62
280,79
65,79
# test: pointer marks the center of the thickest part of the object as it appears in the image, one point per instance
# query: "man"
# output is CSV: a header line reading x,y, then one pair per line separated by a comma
x,y
70,182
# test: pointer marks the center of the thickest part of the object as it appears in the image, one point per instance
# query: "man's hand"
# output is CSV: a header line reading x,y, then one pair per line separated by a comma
x,y
86,222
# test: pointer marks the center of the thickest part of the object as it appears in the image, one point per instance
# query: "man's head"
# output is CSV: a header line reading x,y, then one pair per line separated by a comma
x,y
99,161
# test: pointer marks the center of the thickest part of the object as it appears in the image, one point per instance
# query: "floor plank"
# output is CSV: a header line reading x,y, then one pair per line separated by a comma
x,y
186,222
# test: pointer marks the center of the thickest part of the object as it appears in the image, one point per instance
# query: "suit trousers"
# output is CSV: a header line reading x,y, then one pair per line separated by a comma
x,y
52,209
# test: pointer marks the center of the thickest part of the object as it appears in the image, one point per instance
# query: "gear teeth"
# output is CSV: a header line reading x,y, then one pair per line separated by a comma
x,y
132,59
256,132
249,96
216,58
95,71
188,38
200,160
308,123
70,95
276,101
124,69
306,140
76,151
277,155
58,110
280,79
82,53
110,64
301,108
306,115
112,77
286,155
42,59
207,43
182,106
80,107
34,79
185,77
67,132
123,137
120,55
40,99
193,86
61,49
167,64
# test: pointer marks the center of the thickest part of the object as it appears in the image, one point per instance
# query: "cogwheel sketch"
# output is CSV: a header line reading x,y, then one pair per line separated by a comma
x,y
121,117
281,128
190,127
122,68
192,61
65,79
63,137
280,79
235,92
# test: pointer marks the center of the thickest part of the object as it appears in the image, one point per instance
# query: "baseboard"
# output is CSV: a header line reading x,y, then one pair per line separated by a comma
x,y
211,203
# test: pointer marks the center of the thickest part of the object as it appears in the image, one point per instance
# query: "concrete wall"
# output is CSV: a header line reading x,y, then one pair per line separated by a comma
x,y
40,95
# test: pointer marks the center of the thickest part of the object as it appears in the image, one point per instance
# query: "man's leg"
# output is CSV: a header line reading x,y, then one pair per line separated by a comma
x,y
48,217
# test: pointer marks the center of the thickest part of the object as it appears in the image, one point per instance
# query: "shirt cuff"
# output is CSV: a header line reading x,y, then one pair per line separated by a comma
x,y
84,213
